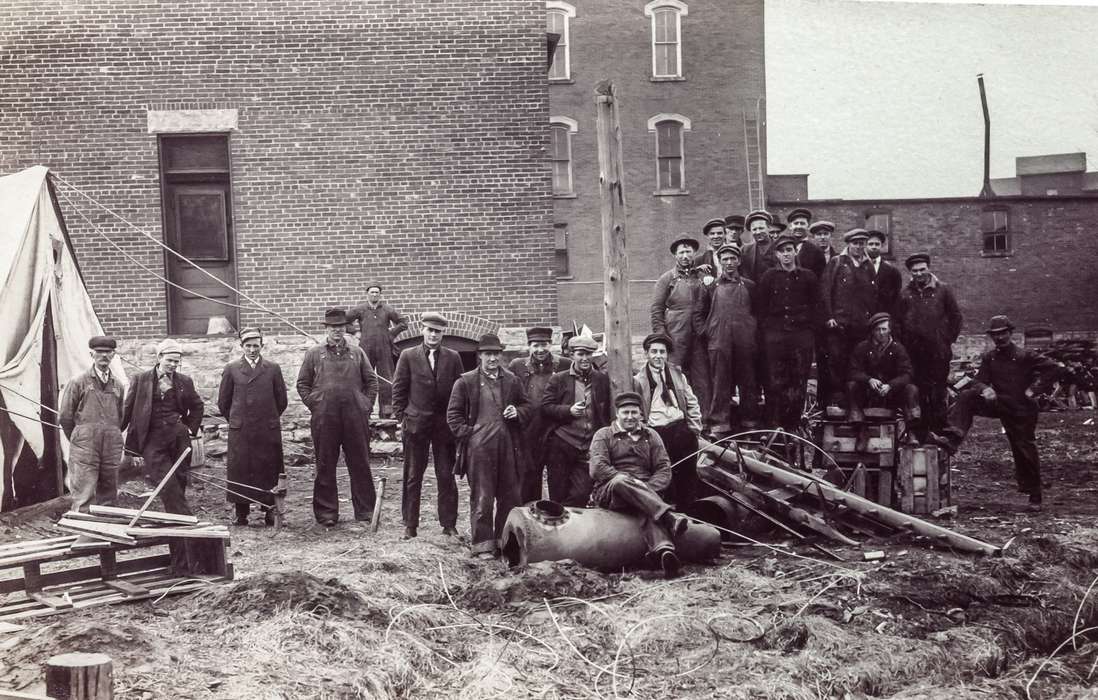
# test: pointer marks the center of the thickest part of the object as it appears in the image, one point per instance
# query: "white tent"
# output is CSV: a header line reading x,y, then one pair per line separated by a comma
x,y
46,320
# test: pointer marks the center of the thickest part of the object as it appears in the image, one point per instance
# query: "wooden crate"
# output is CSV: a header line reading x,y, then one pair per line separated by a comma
x,y
923,482
846,437
869,475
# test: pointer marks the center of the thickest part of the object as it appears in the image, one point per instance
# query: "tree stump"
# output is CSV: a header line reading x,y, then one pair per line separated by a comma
x,y
80,676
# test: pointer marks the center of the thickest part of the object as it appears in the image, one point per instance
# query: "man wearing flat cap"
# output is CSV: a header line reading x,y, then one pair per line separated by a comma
x,y
880,376
671,409
706,260
758,256
809,255
575,404
379,324
886,277
337,384
534,372
678,311
1007,380
730,333
162,413
929,323
486,413
849,297
787,305
629,468
821,235
90,417
252,397
422,384
733,228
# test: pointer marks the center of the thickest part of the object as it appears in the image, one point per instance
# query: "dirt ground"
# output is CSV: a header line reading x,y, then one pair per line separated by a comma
x,y
344,613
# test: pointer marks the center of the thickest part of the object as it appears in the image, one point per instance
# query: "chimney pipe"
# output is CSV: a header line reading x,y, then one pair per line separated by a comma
x,y
986,192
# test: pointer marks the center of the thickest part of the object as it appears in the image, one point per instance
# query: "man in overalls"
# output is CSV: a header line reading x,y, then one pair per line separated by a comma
x,y
678,311
91,416
337,384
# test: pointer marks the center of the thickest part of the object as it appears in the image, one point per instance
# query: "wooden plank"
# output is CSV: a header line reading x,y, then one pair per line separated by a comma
x,y
149,515
19,695
53,601
103,531
214,531
83,542
86,573
931,460
884,487
33,544
6,627
905,478
45,555
127,588
106,519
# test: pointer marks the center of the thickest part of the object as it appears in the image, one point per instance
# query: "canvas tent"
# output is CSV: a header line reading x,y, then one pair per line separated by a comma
x,y
46,320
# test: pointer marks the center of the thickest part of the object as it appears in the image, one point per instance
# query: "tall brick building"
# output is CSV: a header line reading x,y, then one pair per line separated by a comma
x,y
684,72
298,150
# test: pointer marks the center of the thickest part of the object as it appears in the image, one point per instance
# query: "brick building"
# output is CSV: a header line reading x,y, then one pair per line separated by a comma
x,y
299,151
1027,252
684,72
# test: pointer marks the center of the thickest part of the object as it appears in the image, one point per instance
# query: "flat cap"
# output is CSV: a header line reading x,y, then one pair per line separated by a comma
x,y
582,342
998,324
801,213
102,342
728,247
659,338
758,214
539,334
735,220
879,317
874,233
822,226
784,239
249,333
855,234
712,223
335,317
628,398
778,226
913,260
169,346
685,240
489,342
434,320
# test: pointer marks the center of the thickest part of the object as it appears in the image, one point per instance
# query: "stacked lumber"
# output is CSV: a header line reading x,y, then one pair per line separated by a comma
x,y
128,526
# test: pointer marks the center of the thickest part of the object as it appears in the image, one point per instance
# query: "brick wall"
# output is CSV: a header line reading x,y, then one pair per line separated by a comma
x,y
1049,280
722,63
396,141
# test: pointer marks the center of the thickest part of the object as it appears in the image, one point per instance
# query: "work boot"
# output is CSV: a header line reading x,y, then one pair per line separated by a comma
x,y
670,564
242,510
941,441
450,532
409,533
269,517
676,524
1034,502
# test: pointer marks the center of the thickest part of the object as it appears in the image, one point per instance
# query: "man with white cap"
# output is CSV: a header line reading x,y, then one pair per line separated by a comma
x,y
252,397
162,413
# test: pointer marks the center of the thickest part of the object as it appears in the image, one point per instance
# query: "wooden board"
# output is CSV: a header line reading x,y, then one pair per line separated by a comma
x,y
150,515
923,480
103,531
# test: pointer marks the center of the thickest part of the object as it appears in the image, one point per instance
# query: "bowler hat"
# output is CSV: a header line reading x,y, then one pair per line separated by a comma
x,y
913,260
335,317
855,234
735,220
168,346
728,247
539,334
874,233
582,342
799,213
999,324
628,398
433,320
821,226
658,338
102,342
712,223
758,214
489,342
785,238
685,240
249,333
878,317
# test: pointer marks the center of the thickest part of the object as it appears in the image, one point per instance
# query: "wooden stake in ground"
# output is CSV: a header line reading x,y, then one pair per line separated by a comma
x,y
614,256
79,676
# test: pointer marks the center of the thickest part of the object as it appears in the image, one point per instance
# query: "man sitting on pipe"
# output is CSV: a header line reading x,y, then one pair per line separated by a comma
x,y
629,465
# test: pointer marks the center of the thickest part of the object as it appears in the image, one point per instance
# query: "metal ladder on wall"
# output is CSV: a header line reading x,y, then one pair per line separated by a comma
x,y
752,149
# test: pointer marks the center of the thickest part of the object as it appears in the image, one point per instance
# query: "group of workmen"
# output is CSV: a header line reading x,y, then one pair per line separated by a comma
x,y
722,318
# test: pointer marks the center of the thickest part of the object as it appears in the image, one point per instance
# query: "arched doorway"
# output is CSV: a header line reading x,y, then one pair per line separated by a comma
x,y
462,335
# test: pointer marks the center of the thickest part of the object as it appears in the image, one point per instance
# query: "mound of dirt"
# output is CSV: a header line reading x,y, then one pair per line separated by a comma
x,y
545,579
265,593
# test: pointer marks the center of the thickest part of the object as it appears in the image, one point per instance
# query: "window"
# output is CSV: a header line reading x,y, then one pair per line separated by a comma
x,y
666,37
558,21
881,220
560,154
995,227
560,245
670,163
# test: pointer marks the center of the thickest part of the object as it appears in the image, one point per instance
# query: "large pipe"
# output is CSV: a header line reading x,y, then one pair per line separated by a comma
x,y
986,192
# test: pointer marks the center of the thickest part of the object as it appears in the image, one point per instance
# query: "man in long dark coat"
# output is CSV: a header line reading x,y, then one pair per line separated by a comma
x,y
338,385
252,397
849,297
422,384
379,324
534,372
162,413
678,311
485,414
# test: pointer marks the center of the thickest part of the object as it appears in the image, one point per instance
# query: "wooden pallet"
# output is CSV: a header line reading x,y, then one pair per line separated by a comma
x,y
869,475
846,437
923,480
51,576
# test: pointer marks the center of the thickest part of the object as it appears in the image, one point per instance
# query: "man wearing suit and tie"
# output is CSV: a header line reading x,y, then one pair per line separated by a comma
x,y
422,382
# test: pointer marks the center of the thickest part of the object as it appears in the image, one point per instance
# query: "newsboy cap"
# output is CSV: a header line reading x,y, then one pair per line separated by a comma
x,y
169,346
539,334
874,233
249,333
628,398
433,320
734,220
913,260
102,342
658,338
728,247
583,342
879,317
489,342
778,225
685,240
999,324
799,213
784,239
855,234
822,226
758,214
335,317
712,223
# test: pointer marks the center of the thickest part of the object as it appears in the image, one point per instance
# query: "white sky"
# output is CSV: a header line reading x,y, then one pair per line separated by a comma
x,y
879,99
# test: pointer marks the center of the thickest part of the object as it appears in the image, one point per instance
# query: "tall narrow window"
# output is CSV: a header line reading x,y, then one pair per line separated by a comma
x,y
670,160
666,18
560,250
995,227
559,21
560,134
881,220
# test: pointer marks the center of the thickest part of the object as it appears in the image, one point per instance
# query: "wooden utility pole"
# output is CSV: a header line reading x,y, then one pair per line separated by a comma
x,y
615,259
